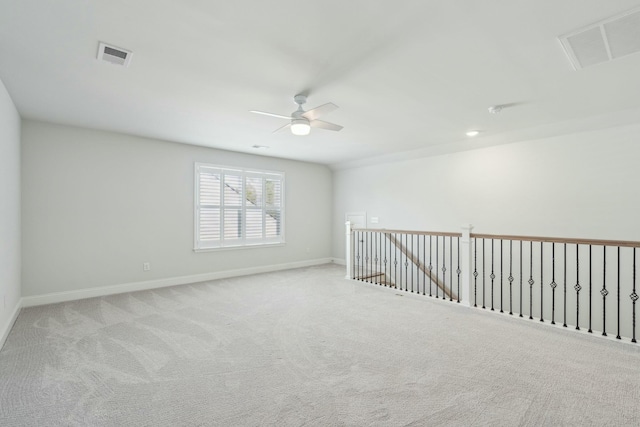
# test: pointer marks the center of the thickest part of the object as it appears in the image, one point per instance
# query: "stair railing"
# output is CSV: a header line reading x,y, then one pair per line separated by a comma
x,y
579,283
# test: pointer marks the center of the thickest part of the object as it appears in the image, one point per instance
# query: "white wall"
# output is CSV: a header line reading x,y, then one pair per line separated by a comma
x,y
96,205
579,185
9,212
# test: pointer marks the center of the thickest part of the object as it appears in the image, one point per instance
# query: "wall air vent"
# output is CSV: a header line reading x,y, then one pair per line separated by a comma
x,y
114,55
603,41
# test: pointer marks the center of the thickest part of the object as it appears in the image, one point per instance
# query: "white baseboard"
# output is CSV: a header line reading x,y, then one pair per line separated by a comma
x,y
56,297
339,261
4,333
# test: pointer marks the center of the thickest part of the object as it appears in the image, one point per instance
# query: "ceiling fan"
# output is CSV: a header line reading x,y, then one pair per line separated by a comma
x,y
302,121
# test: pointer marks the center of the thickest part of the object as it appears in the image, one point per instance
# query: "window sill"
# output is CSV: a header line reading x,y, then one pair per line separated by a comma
x,y
233,248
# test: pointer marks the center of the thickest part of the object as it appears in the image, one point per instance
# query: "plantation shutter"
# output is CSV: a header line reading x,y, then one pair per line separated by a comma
x,y
208,207
237,207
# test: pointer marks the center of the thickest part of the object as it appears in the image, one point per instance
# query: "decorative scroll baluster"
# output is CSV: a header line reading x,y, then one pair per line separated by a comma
x,y
531,281
437,287
541,284
458,271
384,248
511,277
604,292
492,276
618,294
553,284
475,272
401,253
634,298
577,287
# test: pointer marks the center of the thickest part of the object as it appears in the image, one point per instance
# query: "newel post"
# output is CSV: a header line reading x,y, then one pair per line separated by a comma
x,y
466,266
348,249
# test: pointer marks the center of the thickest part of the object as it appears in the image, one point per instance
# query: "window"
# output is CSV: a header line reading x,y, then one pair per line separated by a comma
x,y
237,207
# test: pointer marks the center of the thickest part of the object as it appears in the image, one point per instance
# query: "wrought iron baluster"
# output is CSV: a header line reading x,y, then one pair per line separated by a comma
x,y
483,270
411,252
371,263
401,253
475,272
381,277
501,275
590,286
450,268
406,263
510,277
383,243
577,287
375,259
531,281
634,298
520,278
395,260
352,273
458,271
604,292
437,274
553,284
564,324
618,295
424,264
492,276
367,265
418,264
541,284
430,266
444,268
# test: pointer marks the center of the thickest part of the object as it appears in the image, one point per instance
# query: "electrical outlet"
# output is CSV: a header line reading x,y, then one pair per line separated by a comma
x,y
146,266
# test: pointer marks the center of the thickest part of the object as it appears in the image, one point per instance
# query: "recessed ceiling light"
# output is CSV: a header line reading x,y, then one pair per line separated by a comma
x,y
260,147
473,133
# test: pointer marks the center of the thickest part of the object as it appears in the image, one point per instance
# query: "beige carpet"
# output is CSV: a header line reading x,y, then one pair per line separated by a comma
x,y
305,348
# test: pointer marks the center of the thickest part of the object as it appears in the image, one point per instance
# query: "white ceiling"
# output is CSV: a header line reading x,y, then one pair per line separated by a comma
x,y
408,75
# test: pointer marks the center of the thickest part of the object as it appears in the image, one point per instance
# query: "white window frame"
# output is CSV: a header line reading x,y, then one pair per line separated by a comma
x,y
242,242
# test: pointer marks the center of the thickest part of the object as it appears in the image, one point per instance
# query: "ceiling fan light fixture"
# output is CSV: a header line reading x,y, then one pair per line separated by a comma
x,y
300,127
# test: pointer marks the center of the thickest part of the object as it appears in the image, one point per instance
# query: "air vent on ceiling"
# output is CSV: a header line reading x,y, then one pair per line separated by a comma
x,y
603,41
114,55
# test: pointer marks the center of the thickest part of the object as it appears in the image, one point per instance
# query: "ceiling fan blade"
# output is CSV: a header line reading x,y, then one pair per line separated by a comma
x,y
325,125
317,112
271,114
288,125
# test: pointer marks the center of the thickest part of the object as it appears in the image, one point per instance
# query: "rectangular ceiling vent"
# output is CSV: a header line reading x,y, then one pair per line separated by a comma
x,y
603,41
114,55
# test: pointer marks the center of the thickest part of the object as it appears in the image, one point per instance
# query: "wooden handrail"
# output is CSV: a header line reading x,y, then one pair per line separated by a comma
x,y
421,233
621,243
568,240
421,267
